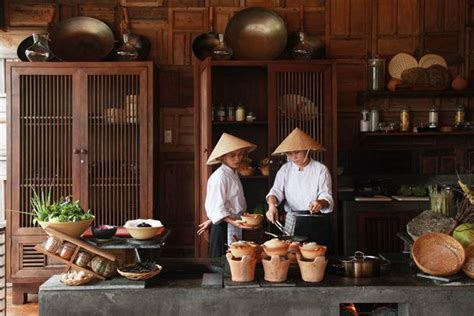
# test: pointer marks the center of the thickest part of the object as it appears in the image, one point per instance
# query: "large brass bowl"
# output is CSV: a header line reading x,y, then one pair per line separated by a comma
x,y
81,39
257,34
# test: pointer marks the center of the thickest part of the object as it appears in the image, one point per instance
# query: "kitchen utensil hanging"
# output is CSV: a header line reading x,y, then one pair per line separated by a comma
x,y
131,40
204,44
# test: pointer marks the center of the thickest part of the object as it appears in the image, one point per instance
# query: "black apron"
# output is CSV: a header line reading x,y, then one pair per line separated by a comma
x,y
217,247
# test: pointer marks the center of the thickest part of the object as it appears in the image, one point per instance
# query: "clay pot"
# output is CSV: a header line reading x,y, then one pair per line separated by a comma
x,y
312,270
242,270
292,251
243,248
276,247
275,268
312,250
252,219
459,83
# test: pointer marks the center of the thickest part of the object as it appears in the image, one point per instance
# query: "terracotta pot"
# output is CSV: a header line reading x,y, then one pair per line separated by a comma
x,y
312,270
252,219
312,250
242,270
275,268
276,247
243,248
292,251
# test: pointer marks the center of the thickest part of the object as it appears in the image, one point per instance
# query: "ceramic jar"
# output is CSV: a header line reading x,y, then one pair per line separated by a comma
x,y
83,258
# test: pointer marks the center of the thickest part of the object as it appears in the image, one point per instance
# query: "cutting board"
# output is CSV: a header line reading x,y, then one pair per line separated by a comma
x,y
410,198
375,198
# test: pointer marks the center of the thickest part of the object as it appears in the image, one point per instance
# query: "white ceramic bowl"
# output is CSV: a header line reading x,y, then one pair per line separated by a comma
x,y
143,233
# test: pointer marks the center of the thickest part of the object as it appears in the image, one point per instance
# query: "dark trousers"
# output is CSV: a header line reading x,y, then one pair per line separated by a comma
x,y
217,247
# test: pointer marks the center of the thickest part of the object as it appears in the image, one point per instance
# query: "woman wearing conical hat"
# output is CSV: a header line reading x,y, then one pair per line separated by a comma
x,y
304,183
225,200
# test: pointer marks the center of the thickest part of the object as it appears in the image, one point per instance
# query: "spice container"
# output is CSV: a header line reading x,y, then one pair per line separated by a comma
x,y
376,74
220,115
460,115
83,258
240,113
67,250
230,113
374,120
364,122
433,117
52,244
404,120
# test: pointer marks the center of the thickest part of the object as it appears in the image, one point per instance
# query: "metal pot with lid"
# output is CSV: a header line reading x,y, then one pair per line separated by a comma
x,y
362,266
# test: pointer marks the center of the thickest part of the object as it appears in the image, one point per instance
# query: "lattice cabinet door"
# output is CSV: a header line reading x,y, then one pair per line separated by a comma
x,y
41,130
115,150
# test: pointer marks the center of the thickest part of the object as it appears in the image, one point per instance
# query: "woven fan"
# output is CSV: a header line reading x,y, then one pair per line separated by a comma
x,y
432,59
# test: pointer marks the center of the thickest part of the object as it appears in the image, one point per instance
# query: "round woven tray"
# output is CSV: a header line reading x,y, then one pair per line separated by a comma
x,y
438,254
432,59
140,276
468,266
399,63
82,281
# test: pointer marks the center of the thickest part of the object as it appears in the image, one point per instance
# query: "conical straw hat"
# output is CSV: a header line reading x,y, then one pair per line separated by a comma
x,y
298,140
226,144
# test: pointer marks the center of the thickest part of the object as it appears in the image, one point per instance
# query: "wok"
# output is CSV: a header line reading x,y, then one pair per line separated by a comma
x,y
206,42
81,39
286,237
256,33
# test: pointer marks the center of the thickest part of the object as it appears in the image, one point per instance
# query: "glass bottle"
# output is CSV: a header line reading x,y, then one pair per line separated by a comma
x,y
230,113
39,51
127,51
376,74
221,51
302,50
220,113
460,116
433,117
240,113
404,120
374,120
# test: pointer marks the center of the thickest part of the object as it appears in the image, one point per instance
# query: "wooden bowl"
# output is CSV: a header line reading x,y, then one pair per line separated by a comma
x,y
241,248
252,219
312,250
73,229
438,254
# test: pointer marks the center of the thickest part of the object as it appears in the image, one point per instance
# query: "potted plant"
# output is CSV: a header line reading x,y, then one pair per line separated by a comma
x,y
65,215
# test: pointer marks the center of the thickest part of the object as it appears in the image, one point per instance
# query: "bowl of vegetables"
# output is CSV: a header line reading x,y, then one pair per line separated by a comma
x,y
65,215
143,229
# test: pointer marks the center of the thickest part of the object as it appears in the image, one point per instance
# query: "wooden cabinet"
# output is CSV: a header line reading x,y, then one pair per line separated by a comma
x,y
282,95
81,129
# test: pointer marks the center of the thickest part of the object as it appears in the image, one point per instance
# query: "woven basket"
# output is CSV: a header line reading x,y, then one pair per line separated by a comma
x,y
469,270
140,276
82,281
438,254
399,63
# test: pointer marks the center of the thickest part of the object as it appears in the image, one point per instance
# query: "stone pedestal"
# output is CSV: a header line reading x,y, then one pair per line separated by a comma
x,y
242,269
312,270
275,268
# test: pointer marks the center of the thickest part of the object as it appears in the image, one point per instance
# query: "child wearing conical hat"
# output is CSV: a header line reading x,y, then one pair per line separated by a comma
x,y
225,200
304,183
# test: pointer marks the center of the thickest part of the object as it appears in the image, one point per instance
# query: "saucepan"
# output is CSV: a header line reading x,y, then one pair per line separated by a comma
x,y
363,266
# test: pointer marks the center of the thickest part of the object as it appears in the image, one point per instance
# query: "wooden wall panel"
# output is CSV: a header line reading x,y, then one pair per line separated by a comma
x,y
177,129
175,86
157,34
105,13
339,14
30,15
224,3
351,77
142,3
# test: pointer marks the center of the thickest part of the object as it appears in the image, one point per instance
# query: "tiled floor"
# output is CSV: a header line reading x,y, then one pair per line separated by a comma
x,y
29,309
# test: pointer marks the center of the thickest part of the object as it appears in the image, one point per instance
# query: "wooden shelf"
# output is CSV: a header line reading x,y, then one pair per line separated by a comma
x,y
363,96
240,123
411,134
79,245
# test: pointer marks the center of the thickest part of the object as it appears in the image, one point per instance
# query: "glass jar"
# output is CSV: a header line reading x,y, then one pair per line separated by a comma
x,y
67,250
230,113
460,116
83,258
52,244
221,51
220,114
374,120
404,120
376,74
213,114
302,50
433,117
240,113
127,51
39,51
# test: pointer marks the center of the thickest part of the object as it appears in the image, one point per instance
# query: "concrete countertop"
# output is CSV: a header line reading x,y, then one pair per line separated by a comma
x,y
180,290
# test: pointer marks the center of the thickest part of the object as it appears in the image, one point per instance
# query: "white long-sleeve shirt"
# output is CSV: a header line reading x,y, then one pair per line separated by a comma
x,y
301,187
225,195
